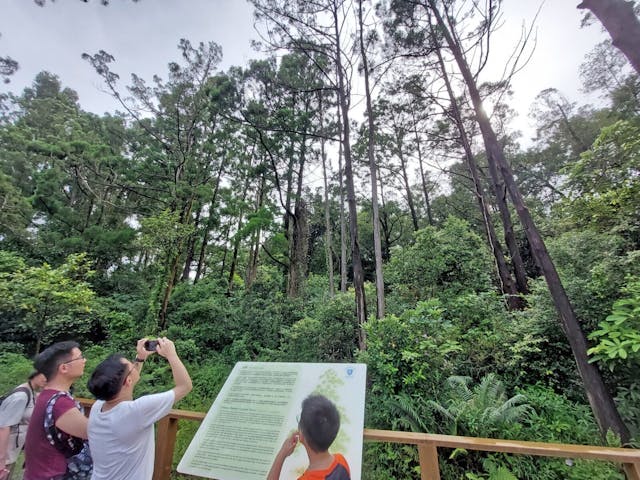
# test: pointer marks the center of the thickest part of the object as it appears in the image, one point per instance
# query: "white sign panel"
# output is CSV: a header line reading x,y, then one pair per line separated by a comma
x,y
256,411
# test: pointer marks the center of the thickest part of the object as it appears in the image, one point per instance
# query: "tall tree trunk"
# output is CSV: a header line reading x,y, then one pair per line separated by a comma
x,y
373,172
191,247
185,218
500,193
602,404
299,239
384,222
328,241
356,260
236,245
507,284
209,225
423,175
343,220
620,20
252,265
299,254
223,264
405,178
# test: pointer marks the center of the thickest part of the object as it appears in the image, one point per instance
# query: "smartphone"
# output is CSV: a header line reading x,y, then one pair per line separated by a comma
x,y
150,345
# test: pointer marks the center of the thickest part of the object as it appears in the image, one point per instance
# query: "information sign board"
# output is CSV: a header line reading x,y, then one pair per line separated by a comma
x,y
256,411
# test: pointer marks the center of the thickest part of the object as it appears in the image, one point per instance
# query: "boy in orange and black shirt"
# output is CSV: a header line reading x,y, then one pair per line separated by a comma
x,y
317,429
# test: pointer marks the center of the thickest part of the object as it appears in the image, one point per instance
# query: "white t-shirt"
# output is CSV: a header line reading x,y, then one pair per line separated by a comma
x,y
121,440
15,412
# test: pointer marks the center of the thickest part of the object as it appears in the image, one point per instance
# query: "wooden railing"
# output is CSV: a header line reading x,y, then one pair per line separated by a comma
x,y
427,444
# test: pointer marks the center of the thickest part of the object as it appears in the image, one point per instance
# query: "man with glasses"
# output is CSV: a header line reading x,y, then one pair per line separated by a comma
x,y
121,428
62,364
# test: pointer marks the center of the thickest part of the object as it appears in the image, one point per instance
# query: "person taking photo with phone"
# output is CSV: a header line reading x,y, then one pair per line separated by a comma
x,y
120,428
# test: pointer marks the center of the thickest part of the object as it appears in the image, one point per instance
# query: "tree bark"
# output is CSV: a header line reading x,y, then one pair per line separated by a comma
x,y
423,175
252,264
356,260
299,237
601,401
191,247
209,226
373,172
620,20
328,241
343,220
185,218
507,284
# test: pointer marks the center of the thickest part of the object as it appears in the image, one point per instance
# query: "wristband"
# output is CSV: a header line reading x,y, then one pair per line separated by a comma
x,y
139,360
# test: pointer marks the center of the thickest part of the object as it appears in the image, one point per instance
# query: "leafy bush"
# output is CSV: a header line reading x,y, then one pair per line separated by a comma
x,y
329,336
15,370
441,263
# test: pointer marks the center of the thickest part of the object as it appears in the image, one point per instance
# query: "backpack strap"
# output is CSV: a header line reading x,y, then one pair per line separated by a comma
x,y
66,444
28,392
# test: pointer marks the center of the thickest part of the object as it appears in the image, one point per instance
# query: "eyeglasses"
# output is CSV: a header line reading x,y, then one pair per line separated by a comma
x,y
81,357
134,365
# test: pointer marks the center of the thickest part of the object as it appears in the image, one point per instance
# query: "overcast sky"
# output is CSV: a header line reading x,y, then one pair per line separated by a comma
x,y
143,37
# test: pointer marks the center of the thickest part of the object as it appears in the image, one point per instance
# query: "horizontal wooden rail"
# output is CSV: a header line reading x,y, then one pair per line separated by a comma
x,y
427,444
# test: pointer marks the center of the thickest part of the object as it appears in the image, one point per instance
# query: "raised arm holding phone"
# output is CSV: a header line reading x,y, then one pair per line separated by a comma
x,y
120,428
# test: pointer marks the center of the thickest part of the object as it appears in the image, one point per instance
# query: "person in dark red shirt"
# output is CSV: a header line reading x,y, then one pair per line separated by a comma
x,y
62,363
317,429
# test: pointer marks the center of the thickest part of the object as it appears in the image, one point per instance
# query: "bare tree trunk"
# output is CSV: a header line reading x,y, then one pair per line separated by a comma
x,y
356,260
423,175
299,239
407,187
384,222
299,254
373,172
223,264
236,245
620,20
500,193
507,284
343,220
328,247
252,265
602,404
191,247
208,226
173,269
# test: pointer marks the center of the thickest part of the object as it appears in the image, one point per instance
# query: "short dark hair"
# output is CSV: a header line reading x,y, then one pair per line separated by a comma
x,y
107,379
319,422
48,361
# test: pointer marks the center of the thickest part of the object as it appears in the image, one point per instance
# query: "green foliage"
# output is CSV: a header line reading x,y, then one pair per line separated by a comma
x,y
162,233
441,262
618,335
15,370
149,199
409,353
618,348
605,182
482,411
50,300
329,336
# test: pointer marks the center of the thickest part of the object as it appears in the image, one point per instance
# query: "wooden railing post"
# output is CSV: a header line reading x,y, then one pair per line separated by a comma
x,y
165,443
429,466
632,470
